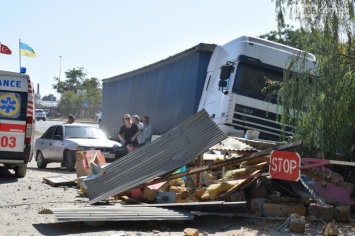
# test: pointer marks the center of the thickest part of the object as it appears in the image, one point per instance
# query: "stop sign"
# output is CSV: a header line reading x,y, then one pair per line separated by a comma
x,y
285,165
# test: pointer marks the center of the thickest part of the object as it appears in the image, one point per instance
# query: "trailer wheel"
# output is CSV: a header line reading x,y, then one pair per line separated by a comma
x,y
41,163
20,170
68,162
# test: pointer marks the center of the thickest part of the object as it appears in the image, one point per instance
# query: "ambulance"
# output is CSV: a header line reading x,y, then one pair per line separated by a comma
x,y
17,121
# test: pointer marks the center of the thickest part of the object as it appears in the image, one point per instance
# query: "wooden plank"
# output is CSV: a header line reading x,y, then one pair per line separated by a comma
x,y
59,181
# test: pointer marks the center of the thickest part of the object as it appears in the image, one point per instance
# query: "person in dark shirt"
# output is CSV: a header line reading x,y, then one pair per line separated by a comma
x,y
128,132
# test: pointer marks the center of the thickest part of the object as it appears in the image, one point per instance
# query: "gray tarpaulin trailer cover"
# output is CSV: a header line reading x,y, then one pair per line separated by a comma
x,y
167,91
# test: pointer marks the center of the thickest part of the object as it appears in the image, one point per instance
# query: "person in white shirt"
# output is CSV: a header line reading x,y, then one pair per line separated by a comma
x,y
141,139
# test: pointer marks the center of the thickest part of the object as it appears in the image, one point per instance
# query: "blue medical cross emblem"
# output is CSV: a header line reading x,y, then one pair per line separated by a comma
x,y
8,105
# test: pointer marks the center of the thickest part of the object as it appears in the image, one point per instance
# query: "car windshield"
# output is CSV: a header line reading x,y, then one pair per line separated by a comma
x,y
84,132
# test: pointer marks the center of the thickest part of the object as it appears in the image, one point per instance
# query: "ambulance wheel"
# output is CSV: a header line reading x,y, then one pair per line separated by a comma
x,y
41,163
20,171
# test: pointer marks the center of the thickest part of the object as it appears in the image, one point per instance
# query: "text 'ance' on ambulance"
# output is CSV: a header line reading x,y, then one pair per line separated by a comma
x,y
16,121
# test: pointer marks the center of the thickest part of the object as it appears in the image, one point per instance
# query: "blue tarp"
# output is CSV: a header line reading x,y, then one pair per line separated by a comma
x,y
167,91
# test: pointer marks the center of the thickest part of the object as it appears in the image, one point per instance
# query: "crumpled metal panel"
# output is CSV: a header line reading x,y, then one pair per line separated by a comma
x,y
171,151
260,144
234,145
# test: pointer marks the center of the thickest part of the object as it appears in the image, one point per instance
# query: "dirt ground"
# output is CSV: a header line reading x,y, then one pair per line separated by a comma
x,y
22,199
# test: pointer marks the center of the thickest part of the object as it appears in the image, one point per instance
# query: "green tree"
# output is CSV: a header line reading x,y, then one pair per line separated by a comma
x,y
76,91
74,79
320,103
297,38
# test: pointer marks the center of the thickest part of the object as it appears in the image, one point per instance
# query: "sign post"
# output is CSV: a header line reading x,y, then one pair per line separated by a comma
x,y
285,165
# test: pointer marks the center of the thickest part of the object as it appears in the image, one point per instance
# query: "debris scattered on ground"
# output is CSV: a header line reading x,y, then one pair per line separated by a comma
x,y
231,172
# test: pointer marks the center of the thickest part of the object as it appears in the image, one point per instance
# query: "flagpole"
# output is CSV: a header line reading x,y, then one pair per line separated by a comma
x,y
19,52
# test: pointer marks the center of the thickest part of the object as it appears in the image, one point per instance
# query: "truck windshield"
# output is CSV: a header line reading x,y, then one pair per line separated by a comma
x,y
250,81
13,105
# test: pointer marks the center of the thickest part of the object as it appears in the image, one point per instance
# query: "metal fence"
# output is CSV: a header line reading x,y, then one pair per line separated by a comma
x,y
78,111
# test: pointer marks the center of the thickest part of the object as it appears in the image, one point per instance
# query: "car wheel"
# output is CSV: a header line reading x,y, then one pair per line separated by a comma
x,y
41,163
37,119
20,171
68,162
44,119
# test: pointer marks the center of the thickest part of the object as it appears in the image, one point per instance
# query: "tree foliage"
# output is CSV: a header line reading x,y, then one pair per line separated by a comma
x,y
78,93
297,38
320,103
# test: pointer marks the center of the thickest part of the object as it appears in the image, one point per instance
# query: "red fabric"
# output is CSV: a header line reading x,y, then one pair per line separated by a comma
x,y
4,49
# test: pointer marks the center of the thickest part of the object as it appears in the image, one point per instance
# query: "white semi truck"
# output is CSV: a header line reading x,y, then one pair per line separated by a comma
x,y
226,80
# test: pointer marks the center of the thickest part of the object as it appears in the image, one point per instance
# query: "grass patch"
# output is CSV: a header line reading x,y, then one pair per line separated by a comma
x,y
37,133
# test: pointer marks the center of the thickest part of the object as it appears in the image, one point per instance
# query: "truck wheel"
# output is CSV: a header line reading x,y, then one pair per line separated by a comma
x,y
69,162
41,163
20,171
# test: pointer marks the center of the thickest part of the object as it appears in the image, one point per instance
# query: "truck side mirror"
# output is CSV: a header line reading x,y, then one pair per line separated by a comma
x,y
226,72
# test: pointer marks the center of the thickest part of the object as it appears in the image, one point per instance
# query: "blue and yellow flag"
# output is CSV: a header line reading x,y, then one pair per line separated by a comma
x,y
26,50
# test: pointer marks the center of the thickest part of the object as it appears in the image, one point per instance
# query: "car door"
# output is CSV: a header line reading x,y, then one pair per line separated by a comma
x,y
45,142
57,146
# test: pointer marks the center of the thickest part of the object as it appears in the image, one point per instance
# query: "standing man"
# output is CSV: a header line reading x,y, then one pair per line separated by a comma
x,y
147,129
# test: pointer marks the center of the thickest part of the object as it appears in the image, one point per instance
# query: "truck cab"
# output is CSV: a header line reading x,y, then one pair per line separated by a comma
x,y
236,75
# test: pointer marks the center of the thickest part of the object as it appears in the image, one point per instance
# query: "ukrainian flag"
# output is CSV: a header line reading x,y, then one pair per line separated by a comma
x,y
26,50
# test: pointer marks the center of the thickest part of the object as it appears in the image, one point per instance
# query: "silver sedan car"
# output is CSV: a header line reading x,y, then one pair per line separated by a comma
x,y
60,142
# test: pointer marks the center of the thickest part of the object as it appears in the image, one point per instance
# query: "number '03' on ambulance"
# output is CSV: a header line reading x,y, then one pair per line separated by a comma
x,y
16,121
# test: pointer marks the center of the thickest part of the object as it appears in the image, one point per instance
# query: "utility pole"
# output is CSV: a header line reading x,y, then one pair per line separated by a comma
x,y
60,67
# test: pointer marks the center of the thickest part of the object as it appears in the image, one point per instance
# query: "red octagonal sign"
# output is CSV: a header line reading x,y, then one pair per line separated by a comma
x,y
285,165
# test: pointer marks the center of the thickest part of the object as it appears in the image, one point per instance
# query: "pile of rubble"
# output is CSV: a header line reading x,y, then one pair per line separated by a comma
x,y
195,169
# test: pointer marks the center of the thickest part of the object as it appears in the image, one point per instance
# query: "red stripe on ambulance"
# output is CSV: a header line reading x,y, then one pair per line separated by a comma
x,y
12,127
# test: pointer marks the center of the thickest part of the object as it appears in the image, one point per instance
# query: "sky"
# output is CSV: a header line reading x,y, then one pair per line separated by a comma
x,y
111,37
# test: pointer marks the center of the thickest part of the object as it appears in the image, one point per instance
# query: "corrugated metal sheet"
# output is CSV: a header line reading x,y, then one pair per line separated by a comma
x,y
120,213
213,206
153,212
234,145
174,149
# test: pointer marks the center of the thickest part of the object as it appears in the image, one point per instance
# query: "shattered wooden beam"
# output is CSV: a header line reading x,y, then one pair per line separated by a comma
x,y
230,162
237,187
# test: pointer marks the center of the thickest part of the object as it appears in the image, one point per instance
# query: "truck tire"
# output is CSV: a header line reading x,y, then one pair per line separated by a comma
x,y
20,171
41,163
69,162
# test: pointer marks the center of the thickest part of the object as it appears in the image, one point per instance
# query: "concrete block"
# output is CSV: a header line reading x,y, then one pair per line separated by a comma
x,y
275,209
324,212
342,213
297,225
